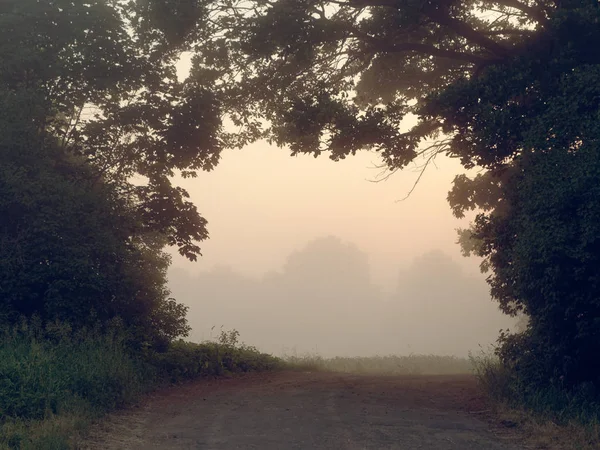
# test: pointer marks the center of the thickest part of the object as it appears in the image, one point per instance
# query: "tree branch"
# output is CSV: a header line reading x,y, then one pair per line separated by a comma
x,y
384,45
428,49
365,3
464,30
508,32
442,17
535,13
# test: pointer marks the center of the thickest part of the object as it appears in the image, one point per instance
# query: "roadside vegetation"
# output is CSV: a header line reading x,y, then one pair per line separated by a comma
x,y
55,381
550,418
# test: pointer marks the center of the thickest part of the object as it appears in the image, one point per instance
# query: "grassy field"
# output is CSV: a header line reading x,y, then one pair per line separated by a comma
x,y
385,365
54,383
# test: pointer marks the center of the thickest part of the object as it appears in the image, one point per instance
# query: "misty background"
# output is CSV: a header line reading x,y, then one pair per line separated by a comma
x,y
324,301
310,255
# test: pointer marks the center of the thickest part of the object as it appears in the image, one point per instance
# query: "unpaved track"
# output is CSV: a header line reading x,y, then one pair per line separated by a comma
x,y
301,410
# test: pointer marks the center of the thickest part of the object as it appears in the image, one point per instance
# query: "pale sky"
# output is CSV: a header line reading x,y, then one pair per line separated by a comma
x,y
261,204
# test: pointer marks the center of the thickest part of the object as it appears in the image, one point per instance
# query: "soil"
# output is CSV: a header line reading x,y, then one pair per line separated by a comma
x,y
309,410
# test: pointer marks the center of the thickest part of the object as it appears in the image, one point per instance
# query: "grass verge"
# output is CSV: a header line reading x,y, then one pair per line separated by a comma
x,y
54,383
547,418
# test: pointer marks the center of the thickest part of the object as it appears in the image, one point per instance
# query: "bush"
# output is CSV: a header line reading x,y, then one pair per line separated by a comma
x,y
188,360
507,384
72,247
54,381
53,370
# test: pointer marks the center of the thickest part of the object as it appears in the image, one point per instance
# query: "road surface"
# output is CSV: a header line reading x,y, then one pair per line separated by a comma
x,y
308,410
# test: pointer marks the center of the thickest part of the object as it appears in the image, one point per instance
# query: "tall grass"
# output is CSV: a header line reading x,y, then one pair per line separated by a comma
x,y
549,416
581,404
51,372
54,382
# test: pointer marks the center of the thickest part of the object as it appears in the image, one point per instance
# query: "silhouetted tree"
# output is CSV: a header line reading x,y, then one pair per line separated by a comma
x,y
90,100
323,298
99,77
71,248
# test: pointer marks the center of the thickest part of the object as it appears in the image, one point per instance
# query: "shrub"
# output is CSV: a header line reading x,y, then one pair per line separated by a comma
x,y
53,370
188,360
54,380
390,364
504,383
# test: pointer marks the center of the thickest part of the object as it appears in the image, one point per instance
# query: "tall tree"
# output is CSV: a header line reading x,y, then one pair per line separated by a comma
x,y
94,124
509,87
340,76
71,247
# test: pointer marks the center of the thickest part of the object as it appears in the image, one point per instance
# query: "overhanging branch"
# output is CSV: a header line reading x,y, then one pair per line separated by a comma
x,y
535,13
431,50
385,46
466,31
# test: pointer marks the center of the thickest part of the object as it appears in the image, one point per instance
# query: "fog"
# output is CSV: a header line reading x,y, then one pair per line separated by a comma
x,y
309,255
324,301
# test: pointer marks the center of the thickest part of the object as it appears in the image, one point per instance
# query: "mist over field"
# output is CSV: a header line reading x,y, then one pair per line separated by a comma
x,y
323,300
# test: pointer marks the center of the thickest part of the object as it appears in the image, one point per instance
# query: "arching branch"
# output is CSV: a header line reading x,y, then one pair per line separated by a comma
x,y
535,13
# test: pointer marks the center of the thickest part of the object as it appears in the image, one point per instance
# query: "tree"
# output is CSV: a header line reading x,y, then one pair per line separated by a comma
x,y
538,230
328,261
71,248
340,76
101,79
90,101
543,248
509,87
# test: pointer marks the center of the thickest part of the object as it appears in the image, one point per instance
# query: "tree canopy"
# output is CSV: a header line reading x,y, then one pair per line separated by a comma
x,y
508,87
101,78
94,124
341,76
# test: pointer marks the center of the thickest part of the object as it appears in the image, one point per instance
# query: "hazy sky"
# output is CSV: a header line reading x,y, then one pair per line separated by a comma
x,y
264,206
261,204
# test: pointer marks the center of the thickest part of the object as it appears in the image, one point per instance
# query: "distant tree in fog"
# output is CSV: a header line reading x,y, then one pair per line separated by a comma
x,y
328,259
438,307
323,299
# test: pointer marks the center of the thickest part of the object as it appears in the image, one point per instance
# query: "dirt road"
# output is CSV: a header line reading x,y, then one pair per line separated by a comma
x,y
300,410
